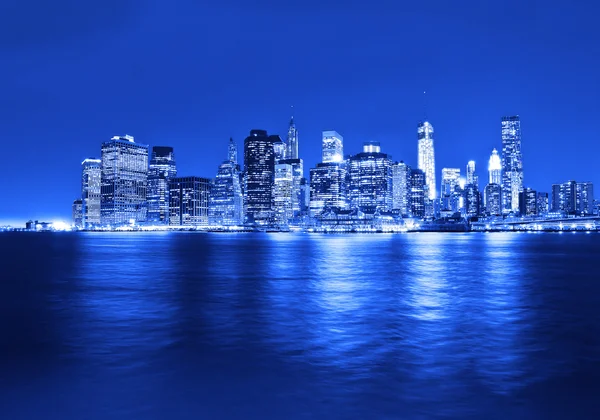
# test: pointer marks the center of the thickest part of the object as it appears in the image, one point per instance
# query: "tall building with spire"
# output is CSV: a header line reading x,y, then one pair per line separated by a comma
x,y
226,200
292,141
512,163
495,168
427,157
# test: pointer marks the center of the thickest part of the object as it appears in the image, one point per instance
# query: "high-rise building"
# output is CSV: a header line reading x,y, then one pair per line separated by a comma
x,y
471,177
493,199
91,182
512,163
77,213
259,167
585,198
124,181
370,179
427,156
327,187
160,171
564,197
226,200
304,196
292,141
495,168
528,205
472,200
189,201
542,203
401,188
279,148
450,184
418,193
333,147
282,194
297,166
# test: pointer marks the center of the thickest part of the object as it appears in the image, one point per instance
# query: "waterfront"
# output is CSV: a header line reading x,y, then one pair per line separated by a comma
x,y
201,325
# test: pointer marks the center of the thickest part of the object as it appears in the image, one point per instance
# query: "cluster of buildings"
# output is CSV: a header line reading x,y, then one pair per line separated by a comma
x,y
133,185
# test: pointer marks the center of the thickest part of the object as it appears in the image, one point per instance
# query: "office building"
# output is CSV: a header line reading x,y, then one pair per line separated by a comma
x,y
259,167
495,168
160,172
292,141
370,179
451,190
91,183
401,188
512,163
327,187
418,193
282,194
585,198
542,203
189,201
493,200
226,199
77,214
528,204
472,200
333,147
124,181
564,197
471,177
427,156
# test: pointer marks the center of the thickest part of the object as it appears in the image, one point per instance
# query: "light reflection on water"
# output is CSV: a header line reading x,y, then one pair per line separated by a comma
x,y
299,325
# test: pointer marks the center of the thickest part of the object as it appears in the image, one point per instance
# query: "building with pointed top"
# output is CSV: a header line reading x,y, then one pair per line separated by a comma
x,y
226,199
427,157
292,141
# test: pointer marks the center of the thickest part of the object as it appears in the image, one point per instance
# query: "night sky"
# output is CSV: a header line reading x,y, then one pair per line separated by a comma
x,y
190,74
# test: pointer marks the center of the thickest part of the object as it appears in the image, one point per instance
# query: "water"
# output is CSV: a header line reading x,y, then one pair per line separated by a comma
x,y
192,325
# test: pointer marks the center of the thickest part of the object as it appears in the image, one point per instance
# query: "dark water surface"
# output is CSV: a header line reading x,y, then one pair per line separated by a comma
x,y
202,326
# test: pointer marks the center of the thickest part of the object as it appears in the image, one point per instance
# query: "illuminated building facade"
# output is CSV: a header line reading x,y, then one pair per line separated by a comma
x,y
528,205
495,168
418,193
370,179
512,163
226,199
471,176
327,187
77,213
493,200
292,141
401,188
427,156
259,167
160,171
189,201
282,194
91,183
450,189
124,179
542,203
472,200
333,147
585,198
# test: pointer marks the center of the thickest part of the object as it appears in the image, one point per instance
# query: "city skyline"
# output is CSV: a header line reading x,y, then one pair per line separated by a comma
x,y
63,87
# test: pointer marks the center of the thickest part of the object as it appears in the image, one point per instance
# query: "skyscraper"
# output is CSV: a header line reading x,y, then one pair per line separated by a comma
x,y
450,182
77,213
542,203
585,198
564,197
292,141
401,188
418,193
333,147
472,200
327,187
259,166
495,168
512,163
427,156
124,181
471,177
226,200
91,182
188,201
528,205
282,194
493,199
370,179
160,171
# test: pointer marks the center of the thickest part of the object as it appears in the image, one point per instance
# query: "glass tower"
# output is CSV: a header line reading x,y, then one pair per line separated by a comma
x,y
226,200
427,156
124,180
512,163
292,141
160,172
333,147
282,194
188,201
418,193
450,182
91,175
401,188
327,187
370,179
259,166
495,168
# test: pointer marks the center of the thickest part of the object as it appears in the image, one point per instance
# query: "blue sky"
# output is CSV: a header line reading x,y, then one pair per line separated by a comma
x,y
191,74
